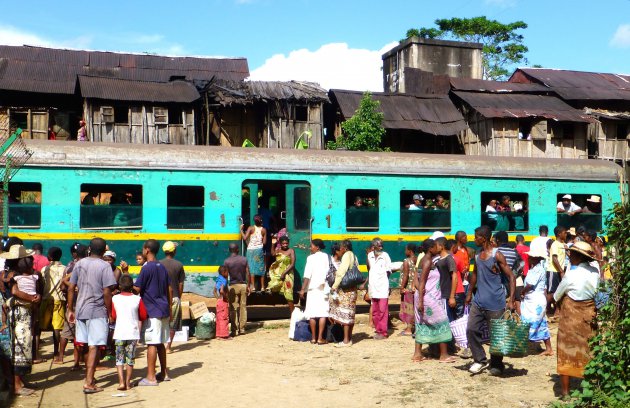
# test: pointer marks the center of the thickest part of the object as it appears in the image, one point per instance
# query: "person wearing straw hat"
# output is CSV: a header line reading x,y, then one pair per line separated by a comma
x,y
534,304
576,297
25,296
593,205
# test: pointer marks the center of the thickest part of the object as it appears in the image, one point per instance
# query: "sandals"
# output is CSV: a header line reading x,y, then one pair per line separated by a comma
x,y
146,383
25,392
450,359
90,390
160,377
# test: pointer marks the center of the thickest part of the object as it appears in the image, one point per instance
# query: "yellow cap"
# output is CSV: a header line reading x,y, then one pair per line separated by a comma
x,y
169,246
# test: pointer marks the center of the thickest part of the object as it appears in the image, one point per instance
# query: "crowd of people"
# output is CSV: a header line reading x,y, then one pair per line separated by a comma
x,y
95,304
91,302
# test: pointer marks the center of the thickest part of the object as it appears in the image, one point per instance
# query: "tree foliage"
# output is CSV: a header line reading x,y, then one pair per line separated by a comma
x,y
364,131
502,45
607,376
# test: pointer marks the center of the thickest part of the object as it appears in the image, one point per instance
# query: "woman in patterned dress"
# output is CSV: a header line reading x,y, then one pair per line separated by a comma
x,y
432,325
407,314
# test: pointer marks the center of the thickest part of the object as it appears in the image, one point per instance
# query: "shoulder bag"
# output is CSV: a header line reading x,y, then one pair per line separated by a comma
x,y
330,276
353,277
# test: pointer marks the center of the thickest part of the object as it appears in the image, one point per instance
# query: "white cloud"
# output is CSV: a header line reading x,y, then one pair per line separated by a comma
x,y
14,36
621,38
333,65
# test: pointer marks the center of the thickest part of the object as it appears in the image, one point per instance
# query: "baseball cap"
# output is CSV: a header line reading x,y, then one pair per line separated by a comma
x,y
567,197
418,197
436,235
111,254
169,246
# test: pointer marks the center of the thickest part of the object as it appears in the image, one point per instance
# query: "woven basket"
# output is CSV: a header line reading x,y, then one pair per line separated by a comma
x,y
458,328
509,336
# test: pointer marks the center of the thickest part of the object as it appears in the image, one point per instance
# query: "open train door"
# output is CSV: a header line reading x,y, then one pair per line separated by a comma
x,y
299,224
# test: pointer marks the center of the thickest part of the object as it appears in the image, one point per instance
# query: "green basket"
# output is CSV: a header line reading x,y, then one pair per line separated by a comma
x,y
205,331
509,336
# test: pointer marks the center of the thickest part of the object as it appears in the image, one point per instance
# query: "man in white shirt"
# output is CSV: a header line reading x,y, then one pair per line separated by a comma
x,y
417,203
380,266
568,206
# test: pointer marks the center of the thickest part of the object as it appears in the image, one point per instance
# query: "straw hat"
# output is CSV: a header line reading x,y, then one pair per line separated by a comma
x,y
594,199
571,231
583,248
436,235
17,252
537,253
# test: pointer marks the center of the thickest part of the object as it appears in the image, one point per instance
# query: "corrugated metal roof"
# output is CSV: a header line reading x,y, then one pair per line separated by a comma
x,y
469,84
521,106
47,70
431,114
577,85
123,90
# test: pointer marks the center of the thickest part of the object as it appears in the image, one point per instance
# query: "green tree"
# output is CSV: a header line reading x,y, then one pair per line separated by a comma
x,y
502,45
364,131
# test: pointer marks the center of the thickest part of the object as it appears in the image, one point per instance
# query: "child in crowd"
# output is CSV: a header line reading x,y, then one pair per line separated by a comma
x,y
221,292
127,310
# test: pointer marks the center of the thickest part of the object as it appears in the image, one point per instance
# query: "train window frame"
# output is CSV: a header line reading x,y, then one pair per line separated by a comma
x,y
173,210
352,212
409,217
27,211
513,218
114,215
591,220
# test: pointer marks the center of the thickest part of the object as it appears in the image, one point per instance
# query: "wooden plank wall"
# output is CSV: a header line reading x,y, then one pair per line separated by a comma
x,y
611,148
141,127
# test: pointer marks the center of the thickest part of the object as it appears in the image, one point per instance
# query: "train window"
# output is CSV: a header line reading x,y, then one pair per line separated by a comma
x,y
362,210
580,210
503,211
425,210
111,206
302,208
25,205
184,207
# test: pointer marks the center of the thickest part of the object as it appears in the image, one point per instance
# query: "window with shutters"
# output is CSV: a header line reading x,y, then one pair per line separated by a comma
x,y
107,114
160,115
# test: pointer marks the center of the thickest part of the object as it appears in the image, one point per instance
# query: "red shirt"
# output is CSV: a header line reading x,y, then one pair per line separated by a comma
x,y
463,263
39,262
521,249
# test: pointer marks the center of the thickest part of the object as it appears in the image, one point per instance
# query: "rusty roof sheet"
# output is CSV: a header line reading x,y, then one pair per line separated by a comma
x,y
48,70
578,85
480,85
521,106
124,90
431,114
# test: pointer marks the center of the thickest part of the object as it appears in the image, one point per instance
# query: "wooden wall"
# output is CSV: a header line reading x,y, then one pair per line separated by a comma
x,y
611,144
500,137
141,127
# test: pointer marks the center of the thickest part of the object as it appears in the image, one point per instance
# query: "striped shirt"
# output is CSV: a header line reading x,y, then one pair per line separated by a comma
x,y
512,258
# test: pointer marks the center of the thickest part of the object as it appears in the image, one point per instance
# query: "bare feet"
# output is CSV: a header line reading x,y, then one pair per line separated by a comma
x,y
56,360
417,358
121,387
546,353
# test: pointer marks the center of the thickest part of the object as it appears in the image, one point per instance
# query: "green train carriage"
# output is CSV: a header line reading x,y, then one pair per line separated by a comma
x,y
198,196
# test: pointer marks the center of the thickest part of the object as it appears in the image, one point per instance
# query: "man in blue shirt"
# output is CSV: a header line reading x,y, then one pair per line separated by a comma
x,y
154,286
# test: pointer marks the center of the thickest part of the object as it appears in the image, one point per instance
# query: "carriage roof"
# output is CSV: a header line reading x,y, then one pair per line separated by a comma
x,y
212,158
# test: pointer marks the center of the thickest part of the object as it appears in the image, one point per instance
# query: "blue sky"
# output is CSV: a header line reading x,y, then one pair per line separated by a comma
x,y
337,43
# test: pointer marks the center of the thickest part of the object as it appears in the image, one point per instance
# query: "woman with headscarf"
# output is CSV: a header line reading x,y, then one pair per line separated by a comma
x,y
534,295
317,306
281,276
257,236
25,294
343,302
576,297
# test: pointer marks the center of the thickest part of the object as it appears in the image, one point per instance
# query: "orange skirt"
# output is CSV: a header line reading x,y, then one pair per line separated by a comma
x,y
575,328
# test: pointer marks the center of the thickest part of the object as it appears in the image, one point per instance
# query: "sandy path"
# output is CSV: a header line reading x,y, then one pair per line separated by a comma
x,y
265,369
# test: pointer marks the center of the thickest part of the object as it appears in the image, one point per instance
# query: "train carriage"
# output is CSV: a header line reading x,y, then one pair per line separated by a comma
x,y
199,196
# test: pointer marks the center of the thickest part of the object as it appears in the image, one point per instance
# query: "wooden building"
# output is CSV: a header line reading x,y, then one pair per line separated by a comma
x,y
126,98
602,96
268,114
518,120
413,123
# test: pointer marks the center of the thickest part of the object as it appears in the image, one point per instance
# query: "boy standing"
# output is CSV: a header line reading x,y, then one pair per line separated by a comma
x,y
54,298
127,310
154,287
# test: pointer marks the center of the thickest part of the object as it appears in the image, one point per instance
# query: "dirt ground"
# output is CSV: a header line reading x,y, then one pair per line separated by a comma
x,y
263,368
